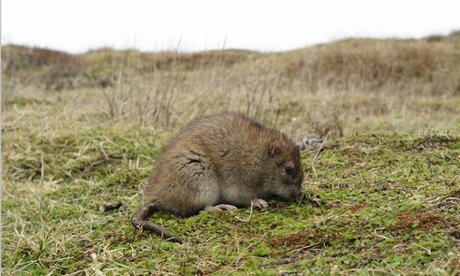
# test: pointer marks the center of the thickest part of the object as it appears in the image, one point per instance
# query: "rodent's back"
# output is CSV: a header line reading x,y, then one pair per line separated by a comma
x,y
229,127
216,135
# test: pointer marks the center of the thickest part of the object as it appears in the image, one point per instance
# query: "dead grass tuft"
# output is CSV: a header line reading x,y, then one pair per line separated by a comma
x,y
299,239
426,221
354,208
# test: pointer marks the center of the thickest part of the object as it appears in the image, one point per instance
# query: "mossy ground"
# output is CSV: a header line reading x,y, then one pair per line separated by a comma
x,y
384,203
382,197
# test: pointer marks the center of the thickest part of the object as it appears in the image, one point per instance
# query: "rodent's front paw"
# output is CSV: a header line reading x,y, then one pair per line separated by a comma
x,y
221,207
259,203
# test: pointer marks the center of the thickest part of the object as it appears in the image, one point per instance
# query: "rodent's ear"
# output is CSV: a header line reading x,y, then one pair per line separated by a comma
x,y
275,148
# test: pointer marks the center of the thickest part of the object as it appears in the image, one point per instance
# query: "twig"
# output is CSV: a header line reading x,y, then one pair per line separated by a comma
x,y
112,206
42,169
324,142
306,247
320,148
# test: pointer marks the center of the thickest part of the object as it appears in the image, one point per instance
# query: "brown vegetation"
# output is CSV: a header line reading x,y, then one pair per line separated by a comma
x,y
348,86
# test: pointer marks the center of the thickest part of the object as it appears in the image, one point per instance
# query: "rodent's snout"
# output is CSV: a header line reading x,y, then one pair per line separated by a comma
x,y
296,194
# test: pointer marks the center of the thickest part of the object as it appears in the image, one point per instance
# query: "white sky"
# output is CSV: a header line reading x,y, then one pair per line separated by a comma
x,y
155,25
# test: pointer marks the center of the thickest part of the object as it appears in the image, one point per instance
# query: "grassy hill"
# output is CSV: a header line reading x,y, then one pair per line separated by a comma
x,y
346,64
359,84
80,131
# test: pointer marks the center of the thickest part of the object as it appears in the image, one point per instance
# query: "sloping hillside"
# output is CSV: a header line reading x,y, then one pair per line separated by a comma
x,y
345,65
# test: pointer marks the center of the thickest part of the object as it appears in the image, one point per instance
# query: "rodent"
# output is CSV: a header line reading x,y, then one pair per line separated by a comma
x,y
220,162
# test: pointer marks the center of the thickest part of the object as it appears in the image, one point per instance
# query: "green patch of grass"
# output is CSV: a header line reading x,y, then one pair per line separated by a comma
x,y
371,204
23,101
94,153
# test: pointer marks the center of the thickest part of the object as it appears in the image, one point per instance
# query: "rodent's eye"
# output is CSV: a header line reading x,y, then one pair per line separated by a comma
x,y
289,170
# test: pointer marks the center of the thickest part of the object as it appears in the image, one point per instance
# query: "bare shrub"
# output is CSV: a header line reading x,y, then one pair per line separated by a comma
x,y
370,65
130,97
171,96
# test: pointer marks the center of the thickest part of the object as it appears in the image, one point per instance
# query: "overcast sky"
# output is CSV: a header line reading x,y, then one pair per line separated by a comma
x,y
193,25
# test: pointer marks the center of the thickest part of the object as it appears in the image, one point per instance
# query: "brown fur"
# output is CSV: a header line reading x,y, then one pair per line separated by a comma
x,y
222,159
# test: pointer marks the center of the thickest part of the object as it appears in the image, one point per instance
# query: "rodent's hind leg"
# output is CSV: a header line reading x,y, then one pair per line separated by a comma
x,y
259,203
221,207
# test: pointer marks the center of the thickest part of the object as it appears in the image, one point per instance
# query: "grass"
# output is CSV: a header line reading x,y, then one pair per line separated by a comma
x,y
382,197
373,203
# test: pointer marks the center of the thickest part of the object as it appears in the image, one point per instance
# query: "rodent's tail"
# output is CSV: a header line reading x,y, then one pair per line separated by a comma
x,y
138,220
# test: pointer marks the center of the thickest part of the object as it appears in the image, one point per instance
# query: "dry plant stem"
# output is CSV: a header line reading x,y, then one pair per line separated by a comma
x,y
307,247
319,150
249,217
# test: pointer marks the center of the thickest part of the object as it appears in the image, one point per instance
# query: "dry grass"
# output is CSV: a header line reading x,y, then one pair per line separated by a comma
x,y
81,130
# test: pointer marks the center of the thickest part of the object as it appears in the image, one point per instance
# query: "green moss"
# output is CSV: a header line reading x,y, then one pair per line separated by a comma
x,y
372,203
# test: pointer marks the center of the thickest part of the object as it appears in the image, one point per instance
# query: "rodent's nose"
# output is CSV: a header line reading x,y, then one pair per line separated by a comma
x,y
296,194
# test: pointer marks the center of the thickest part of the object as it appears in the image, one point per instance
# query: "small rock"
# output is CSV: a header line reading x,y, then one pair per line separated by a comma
x,y
305,143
